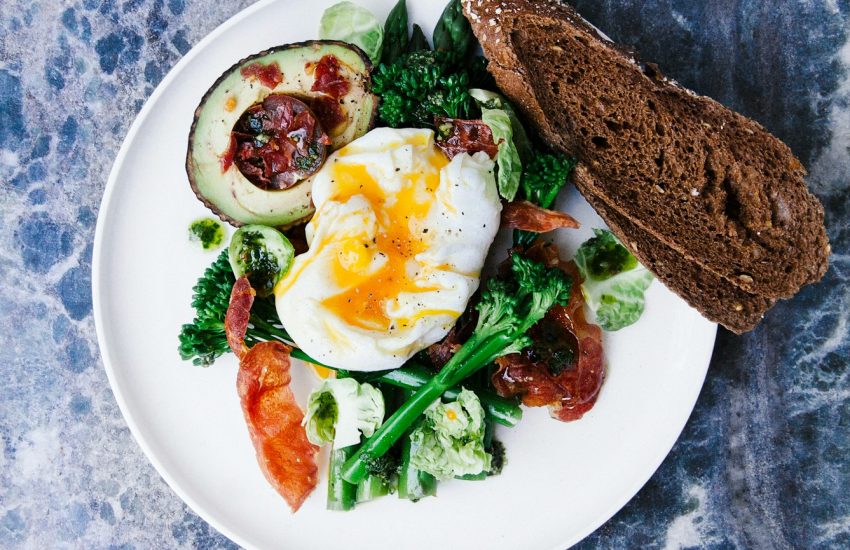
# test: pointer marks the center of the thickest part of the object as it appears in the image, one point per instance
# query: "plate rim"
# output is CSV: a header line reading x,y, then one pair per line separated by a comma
x,y
107,355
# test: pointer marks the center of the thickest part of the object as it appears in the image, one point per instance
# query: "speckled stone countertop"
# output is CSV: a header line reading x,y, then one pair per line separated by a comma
x,y
764,461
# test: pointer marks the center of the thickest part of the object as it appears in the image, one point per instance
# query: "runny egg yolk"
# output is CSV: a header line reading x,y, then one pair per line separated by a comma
x,y
398,240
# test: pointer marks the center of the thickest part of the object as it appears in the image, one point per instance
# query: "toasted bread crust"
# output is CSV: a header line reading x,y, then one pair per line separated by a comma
x,y
707,183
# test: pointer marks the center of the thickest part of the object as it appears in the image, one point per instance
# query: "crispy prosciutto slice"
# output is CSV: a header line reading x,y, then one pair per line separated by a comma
x,y
238,314
564,369
286,457
274,419
530,217
329,80
456,136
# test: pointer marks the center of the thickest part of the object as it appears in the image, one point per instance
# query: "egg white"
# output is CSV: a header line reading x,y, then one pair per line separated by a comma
x,y
397,221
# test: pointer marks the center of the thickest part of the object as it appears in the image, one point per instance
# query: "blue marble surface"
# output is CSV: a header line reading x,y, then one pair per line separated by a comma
x,y
764,461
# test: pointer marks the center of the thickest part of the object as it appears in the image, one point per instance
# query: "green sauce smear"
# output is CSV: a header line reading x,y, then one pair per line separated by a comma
x,y
208,232
611,258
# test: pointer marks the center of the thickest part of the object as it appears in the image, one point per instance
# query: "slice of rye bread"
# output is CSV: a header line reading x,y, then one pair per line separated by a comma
x,y
709,183
734,308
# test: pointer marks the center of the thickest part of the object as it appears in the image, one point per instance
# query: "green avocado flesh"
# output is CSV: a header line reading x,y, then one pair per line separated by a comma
x,y
219,183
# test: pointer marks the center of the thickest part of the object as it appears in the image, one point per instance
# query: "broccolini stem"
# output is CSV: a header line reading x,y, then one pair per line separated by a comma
x,y
371,488
342,495
412,377
355,470
413,484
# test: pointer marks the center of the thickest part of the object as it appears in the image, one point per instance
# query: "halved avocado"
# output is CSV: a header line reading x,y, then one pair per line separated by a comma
x,y
292,70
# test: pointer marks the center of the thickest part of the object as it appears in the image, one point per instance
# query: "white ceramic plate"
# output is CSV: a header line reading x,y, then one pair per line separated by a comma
x,y
561,482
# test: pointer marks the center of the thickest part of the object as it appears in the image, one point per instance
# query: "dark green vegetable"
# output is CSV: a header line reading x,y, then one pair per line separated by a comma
x,y
373,487
381,480
342,495
453,34
474,477
417,40
413,484
479,77
504,411
497,451
420,86
395,33
541,181
384,467
203,340
544,177
506,311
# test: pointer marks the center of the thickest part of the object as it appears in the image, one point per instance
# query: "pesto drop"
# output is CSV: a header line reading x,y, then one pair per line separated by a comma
x,y
208,232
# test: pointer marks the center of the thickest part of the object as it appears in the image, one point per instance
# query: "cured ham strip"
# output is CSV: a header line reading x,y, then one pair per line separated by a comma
x,y
456,136
564,369
585,380
530,217
286,457
329,79
268,75
238,314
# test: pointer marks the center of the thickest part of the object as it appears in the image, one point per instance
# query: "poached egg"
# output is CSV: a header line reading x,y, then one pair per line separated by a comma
x,y
396,248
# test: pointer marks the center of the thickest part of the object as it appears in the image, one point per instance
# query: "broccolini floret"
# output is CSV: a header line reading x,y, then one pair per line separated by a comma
x,y
383,467
419,86
544,177
204,340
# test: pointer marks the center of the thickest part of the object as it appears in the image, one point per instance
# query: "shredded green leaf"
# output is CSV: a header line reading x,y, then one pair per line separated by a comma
x,y
507,158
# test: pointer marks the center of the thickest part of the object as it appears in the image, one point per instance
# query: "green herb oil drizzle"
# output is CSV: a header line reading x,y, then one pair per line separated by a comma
x,y
208,232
